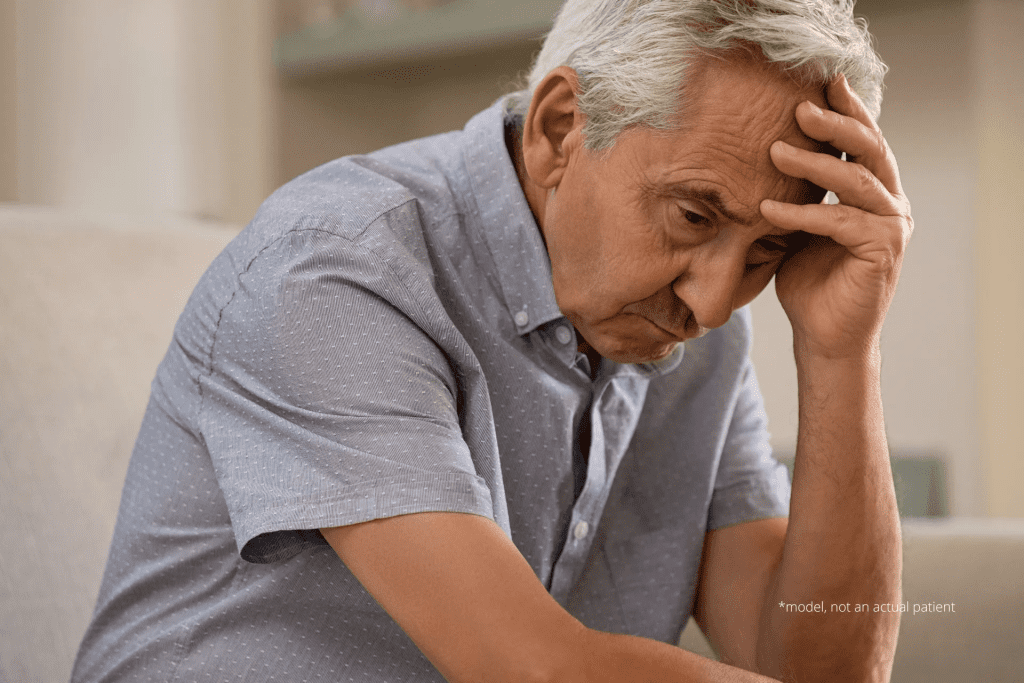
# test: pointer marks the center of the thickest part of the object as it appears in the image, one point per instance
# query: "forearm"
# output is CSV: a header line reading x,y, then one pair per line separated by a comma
x,y
843,542
462,592
611,658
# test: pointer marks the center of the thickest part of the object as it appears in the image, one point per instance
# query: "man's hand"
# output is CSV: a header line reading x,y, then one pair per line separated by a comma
x,y
837,289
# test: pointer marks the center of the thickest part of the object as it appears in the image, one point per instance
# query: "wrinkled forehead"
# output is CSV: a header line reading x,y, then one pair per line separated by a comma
x,y
736,110
743,103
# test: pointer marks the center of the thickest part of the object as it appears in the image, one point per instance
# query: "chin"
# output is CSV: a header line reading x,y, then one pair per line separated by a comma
x,y
638,353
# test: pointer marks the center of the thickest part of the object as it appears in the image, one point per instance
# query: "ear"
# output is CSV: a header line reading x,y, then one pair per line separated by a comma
x,y
553,127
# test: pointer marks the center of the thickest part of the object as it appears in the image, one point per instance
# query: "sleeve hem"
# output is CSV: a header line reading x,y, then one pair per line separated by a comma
x,y
283,530
750,502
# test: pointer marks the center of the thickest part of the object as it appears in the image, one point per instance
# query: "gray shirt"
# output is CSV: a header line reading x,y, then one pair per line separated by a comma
x,y
384,339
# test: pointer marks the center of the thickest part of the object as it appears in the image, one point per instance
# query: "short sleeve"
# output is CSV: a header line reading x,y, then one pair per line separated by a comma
x,y
750,484
325,404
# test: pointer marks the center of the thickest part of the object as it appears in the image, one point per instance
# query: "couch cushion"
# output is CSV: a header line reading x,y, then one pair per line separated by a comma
x,y
969,572
87,306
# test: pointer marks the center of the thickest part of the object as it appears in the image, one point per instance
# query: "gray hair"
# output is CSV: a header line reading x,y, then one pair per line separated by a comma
x,y
631,56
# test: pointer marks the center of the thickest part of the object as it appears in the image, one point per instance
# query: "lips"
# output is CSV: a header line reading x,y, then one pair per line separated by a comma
x,y
690,330
679,323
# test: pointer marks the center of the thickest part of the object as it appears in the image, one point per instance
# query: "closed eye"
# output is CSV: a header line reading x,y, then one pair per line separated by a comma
x,y
694,218
767,250
773,244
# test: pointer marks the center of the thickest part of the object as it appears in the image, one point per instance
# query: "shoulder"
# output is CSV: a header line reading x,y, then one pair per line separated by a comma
x,y
353,225
348,195
362,211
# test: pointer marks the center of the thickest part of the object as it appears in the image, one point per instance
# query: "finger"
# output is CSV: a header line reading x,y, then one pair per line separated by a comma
x,y
878,158
843,132
867,236
852,183
862,144
842,99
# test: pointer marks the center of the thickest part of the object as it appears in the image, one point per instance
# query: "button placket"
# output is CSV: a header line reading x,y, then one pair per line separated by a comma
x,y
587,509
618,401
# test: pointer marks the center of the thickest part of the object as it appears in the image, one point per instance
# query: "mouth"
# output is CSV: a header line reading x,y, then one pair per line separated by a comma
x,y
674,322
676,333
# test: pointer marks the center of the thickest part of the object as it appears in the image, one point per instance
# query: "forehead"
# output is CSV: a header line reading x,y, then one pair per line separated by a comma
x,y
742,92
733,110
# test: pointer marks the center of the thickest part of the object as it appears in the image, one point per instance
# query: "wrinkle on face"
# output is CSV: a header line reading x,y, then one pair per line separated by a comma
x,y
765,112
629,278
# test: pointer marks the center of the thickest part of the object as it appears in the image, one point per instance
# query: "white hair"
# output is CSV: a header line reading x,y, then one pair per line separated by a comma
x,y
631,56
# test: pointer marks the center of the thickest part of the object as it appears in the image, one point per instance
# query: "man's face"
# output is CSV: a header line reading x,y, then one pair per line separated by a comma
x,y
660,238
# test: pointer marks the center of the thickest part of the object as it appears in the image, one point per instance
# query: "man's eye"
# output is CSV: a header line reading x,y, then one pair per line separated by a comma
x,y
765,251
774,246
693,217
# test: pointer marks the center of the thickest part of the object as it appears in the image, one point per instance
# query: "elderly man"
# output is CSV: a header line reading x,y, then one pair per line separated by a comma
x,y
480,406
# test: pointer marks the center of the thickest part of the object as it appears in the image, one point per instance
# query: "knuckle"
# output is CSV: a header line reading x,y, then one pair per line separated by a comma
x,y
863,178
889,261
899,236
892,255
879,145
906,218
842,217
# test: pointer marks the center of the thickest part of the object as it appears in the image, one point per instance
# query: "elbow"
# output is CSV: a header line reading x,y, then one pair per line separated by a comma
x,y
551,658
564,661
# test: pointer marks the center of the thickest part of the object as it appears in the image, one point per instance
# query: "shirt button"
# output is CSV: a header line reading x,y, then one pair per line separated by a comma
x,y
581,531
563,334
522,318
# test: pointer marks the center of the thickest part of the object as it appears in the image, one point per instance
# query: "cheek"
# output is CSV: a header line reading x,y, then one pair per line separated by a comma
x,y
593,262
607,250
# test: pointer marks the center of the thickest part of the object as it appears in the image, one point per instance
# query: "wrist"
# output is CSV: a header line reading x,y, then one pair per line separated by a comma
x,y
839,389
866,353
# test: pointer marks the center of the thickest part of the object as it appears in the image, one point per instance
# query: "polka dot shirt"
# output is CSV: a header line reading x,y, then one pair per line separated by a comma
x,y
383,339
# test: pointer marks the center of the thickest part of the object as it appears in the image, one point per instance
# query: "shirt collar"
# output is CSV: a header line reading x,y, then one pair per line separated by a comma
x,y
513,238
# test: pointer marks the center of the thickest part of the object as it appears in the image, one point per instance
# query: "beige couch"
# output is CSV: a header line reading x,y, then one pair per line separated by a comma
x,y
87,305
86,310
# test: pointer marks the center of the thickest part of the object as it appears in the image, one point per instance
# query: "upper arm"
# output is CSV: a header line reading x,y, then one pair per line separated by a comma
x,y
327,402
736,573
463,593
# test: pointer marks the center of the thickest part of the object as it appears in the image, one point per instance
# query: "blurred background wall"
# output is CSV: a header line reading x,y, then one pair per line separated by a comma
x,y
176,107
138,107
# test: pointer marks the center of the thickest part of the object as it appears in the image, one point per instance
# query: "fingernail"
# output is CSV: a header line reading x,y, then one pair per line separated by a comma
x,y
814,108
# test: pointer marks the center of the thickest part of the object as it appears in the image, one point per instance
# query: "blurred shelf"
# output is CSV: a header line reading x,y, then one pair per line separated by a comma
x,y
354,41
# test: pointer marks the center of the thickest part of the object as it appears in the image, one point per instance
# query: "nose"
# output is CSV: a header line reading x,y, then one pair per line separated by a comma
x,y
710,290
